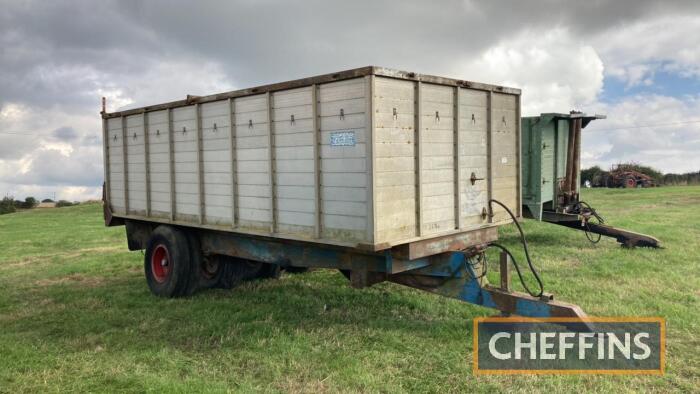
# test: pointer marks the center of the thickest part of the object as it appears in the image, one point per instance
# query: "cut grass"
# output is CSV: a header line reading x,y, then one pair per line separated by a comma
x,y
76,314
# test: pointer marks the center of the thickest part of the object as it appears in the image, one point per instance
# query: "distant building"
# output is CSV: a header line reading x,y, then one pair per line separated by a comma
x,y
46,205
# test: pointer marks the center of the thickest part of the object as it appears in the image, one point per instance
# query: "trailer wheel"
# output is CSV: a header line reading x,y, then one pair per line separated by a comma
x,y
235,270
206,270
167,262
271,271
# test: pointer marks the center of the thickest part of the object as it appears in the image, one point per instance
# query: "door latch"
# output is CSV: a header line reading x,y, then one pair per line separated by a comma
x,y
473,178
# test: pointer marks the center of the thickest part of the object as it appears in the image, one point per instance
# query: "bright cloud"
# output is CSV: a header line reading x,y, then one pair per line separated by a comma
x,y
660,131
634,52
556,72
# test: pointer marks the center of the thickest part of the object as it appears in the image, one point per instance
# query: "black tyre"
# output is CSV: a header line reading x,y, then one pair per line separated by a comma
x,y
167,262
235,270
206,270
269,271
296,270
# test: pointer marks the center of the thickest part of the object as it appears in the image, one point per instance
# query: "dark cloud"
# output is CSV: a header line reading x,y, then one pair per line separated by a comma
x,y
67,134
14,146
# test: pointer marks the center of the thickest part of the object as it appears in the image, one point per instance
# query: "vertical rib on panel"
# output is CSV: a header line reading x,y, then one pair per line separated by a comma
x,y
371,158
200,166
518,161
457,163
125,162
146,150
317,160
271,159
419,161
232,148
171,163
489,153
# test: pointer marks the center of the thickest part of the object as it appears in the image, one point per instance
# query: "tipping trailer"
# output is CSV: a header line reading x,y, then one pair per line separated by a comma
x,y
385,175
551,152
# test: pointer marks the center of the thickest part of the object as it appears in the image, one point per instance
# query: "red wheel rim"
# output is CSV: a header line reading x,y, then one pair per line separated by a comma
x,y
160,263
631,183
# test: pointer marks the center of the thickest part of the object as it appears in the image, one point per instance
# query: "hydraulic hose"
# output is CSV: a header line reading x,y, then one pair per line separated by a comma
x,y
525,248
594,214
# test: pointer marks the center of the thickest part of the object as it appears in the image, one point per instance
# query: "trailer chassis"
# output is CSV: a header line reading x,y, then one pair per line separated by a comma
x,y
442,267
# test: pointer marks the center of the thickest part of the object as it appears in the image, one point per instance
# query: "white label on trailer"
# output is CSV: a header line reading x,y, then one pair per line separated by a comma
x,y
504,160
343,138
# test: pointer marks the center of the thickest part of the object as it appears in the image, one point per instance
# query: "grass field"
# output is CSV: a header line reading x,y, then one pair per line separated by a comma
x,y
76,314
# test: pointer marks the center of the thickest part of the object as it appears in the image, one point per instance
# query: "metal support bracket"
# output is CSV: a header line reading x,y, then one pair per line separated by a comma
x,y
452,276
504,261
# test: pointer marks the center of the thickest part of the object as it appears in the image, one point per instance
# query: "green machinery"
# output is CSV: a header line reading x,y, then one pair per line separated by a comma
x,y
551,154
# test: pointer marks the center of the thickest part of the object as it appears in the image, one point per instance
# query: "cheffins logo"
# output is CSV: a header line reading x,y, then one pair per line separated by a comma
x,y
513,345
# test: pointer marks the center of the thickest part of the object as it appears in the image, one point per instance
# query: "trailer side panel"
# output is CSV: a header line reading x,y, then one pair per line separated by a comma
x,y
369,158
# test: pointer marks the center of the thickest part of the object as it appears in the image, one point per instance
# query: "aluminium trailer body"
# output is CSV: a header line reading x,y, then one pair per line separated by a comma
x,y
386,175
551,167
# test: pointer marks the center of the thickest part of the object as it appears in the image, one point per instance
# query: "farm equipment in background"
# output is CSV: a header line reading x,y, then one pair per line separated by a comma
x,y
623,177
551,152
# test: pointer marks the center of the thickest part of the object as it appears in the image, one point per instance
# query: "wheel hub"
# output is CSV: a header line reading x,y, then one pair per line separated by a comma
x,y
210,266
160,264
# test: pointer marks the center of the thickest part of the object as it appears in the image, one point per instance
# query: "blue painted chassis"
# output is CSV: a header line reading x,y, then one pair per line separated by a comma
x,y
448,274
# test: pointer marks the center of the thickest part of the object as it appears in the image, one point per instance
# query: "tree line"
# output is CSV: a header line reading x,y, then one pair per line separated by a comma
x,y
9,204
670,179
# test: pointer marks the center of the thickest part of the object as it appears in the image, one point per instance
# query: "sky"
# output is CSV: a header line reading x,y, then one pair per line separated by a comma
x,y
636,61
